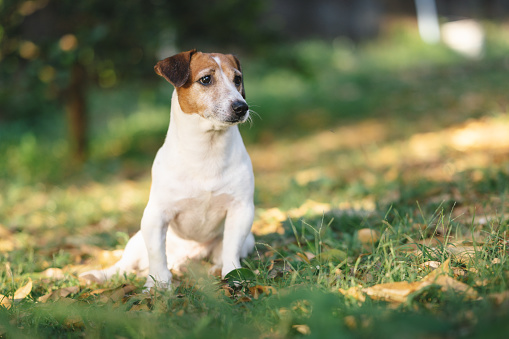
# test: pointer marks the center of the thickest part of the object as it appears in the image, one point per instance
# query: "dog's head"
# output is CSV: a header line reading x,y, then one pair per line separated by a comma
x,y
208,84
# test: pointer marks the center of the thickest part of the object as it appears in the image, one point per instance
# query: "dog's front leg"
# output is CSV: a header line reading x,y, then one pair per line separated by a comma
x,y
154,228
237,227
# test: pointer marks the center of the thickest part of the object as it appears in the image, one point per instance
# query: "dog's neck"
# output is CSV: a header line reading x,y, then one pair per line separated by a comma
x,y
198,137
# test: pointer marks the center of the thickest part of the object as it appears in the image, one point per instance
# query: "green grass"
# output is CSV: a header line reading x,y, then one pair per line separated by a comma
x,y
372,132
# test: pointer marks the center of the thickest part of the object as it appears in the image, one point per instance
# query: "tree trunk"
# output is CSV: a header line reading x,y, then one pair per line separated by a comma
x,y
76,113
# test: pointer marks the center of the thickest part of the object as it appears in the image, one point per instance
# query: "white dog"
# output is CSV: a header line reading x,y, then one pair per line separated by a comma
x,y
201,199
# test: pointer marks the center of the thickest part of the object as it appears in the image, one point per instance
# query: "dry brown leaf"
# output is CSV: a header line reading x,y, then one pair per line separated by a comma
x,y
395,292
139,307
303,257
244,299
302,329
5,301
60,293
398,292
448,283
368,236
354,292
74,321
113,294
463,254
441,277
257,290
23,291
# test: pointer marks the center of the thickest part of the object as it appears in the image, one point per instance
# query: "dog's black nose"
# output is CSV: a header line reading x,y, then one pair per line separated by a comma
x,y
240,107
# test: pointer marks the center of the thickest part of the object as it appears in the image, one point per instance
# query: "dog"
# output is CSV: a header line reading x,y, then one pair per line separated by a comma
x,y
201,198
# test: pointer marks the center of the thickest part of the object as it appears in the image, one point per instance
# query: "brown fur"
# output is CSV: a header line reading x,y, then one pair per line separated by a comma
x,y
191,93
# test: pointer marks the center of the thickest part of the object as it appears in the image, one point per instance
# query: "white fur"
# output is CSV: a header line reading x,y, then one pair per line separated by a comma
x,y
201,199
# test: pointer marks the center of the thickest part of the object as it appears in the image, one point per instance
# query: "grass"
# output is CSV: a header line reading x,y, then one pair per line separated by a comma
x,y
395,139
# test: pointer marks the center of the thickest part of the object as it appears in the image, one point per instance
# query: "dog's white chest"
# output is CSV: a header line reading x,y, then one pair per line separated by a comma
x,y
200,218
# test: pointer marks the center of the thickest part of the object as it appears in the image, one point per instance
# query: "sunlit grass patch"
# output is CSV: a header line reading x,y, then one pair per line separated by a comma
x,y
374,169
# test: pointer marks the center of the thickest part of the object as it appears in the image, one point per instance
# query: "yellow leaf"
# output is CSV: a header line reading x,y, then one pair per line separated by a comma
x,y
302,329
139,307
398,292
368,236
395,292
463,254
5,301
259,289
303,257
244,299
354,292
23,291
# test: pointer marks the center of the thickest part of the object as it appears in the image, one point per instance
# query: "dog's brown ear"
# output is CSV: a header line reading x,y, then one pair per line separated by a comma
x,y
175,69
243,92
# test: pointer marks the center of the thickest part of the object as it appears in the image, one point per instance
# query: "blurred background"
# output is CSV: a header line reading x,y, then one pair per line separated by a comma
x,y
353,99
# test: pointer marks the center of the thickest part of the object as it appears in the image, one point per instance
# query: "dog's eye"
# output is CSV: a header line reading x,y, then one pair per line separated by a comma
x,y
206,80
237,80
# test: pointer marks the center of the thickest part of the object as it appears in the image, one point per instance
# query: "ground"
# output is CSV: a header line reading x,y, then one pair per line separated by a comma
x,y
382,180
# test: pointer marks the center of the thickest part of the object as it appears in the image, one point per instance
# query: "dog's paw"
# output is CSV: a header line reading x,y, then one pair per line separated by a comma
x,y
227,269
160,281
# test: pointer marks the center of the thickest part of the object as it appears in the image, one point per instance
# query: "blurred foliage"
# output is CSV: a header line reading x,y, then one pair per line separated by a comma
x,y
40,41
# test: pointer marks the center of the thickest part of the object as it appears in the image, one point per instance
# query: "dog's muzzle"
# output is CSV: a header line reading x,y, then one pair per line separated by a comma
x,y
240,109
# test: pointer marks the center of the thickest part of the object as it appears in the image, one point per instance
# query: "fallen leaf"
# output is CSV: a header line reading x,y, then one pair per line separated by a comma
x,y
302,329
303,257
398,292
244,299
463,254
113,294
368,236
74,321
60,293
350,322
228,291
257,290
5,301
23,291
139,307
354,292
441,277
395,292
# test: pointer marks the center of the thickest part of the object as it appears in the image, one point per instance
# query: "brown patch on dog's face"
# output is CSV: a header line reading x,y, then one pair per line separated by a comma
x,y
214,83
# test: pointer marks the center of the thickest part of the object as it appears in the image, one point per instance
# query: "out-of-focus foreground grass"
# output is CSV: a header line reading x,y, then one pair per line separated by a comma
x,y
404,139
